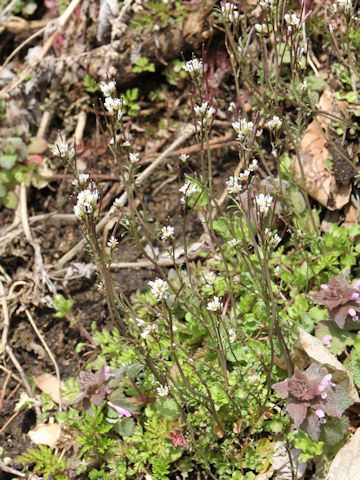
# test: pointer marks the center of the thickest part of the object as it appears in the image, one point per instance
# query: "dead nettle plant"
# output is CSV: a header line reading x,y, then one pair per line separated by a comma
x,y
316,403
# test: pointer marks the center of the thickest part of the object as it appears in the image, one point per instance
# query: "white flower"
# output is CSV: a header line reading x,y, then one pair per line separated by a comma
x,y
275,123
88,198
229,11
209,278
183,157
231,107
292,20
139,322
214,305
108,88
232,335
346,5
86,202
159,288
244,177
261,28
204,111
112,242
188,189
79,211
253,165
134,157
266,3
63,150
234,185
113,104
147,330
81,180
277,271
263,203
194,67
117,203
243,128
167,233
126,144
275,239
232,243
163,391
117,138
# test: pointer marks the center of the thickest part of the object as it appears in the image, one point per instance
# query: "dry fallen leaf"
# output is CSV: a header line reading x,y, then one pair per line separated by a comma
x,y
320,181
346,464
48,383
320,354
45,434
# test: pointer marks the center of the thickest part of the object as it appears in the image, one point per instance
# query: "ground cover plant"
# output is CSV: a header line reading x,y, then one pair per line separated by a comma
x,y
239,358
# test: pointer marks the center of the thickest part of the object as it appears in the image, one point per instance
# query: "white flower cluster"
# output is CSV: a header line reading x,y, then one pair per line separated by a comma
x,y
266,3
275,123
107,89
272,237
233,243
150,327
233,185
214,305
81,180
112,242
253,165
159,288
242,128
86,201
229,11
209,278
292,20
205,112
183,157
167,233
346,5
187,189
194,67
263,203
163,390
64,150
134,157
232,335
261,28
113,105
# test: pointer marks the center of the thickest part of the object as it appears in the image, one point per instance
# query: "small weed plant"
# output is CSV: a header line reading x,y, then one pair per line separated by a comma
x,y
201,371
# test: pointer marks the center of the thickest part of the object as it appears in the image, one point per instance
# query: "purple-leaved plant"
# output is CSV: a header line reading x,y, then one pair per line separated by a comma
x,y
342,301
93,387
309,399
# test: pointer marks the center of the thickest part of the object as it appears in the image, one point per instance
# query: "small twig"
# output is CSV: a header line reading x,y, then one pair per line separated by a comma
x,y
13,416
6,322
48,351
15,389
23,378
7,469
3,390
15,377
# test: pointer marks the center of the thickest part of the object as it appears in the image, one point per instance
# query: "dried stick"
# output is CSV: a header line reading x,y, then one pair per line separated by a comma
x,y
6,322
49,352
186,132
23,377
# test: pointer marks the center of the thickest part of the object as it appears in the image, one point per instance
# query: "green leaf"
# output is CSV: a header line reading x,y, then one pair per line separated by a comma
x,y
125,427
334,430
8,160
10,201
340,340
166,407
